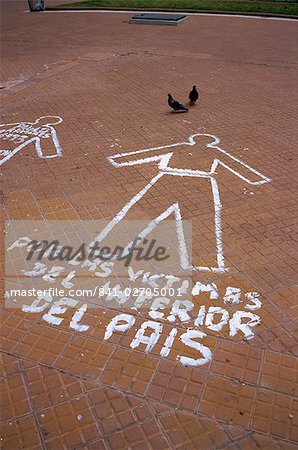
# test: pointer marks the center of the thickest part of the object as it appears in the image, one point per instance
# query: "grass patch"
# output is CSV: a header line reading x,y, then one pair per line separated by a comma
x,y
258,6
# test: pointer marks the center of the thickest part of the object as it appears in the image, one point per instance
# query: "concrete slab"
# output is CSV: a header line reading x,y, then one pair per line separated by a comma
x,y
159,19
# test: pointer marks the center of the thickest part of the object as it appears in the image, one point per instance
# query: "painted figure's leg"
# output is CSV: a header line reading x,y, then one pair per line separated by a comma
x,y
174,209
122,213
220,268
11,153
217,227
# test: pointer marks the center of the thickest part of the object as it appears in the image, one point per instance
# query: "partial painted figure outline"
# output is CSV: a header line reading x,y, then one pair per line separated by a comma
x,y
23,134
163,158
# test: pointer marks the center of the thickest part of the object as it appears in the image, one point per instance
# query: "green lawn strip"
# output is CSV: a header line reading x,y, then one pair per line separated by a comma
x,y
290,8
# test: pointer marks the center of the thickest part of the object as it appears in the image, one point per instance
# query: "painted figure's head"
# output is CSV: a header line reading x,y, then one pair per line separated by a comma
x,y
48,120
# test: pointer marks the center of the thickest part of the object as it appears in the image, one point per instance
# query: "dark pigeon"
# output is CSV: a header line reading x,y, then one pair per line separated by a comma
x,y
175,105
193,95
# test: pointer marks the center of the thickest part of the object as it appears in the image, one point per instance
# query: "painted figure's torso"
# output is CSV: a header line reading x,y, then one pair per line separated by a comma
x,y
21,132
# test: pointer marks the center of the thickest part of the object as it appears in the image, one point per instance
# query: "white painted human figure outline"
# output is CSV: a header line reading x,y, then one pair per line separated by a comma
x,y
163,165
17,132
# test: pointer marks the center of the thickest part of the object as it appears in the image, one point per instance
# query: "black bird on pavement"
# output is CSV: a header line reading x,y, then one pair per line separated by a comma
x,y
175,105
193,95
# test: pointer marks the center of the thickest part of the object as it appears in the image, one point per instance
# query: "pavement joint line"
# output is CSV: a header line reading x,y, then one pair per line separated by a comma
x,y
110,11
147,400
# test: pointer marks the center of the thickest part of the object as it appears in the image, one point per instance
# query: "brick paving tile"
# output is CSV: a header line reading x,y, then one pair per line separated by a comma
x,y
228,400
246,439
67,425
276,414
82,357
130,371
13,330
64,387
42,344
98,445
49,387
177,386
237,360
10,365
286,298
255,440
19,434
280,373
191,432
14,401
282,338
126,419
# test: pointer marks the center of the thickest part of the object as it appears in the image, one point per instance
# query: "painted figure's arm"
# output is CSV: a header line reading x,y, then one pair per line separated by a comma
x,y
141,156
242,170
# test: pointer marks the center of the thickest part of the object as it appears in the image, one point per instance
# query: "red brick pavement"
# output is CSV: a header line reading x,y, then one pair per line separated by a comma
x,y
108,80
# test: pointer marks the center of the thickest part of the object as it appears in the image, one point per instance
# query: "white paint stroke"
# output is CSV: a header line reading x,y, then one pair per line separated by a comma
x,y
210,317
186,338
168,343
142,338
256,302
77,317
59,307
114,324
236,323
25,133
232,295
